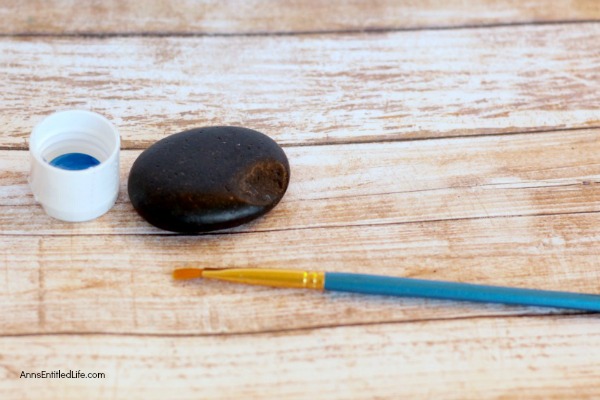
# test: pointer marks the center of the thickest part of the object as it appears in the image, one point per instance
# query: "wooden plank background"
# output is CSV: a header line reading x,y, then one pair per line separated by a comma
x,y
312,89
452,140
176,17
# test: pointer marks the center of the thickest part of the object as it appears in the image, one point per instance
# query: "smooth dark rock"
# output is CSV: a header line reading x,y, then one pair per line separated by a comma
x,y
208,178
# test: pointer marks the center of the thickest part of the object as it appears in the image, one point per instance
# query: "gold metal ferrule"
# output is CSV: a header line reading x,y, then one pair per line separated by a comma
x,y
269,277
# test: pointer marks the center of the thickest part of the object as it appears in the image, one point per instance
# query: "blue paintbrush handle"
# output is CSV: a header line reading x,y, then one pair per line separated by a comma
x,y
409,287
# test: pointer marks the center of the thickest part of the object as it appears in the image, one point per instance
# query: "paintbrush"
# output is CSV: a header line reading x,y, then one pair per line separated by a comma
x,y
394,286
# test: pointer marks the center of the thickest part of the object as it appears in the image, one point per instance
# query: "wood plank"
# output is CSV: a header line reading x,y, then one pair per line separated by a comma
x,y
311,89
269,16
545,357
374,184
123,284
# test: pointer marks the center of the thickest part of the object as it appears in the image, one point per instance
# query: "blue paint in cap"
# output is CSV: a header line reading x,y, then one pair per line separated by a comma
x,y
75,161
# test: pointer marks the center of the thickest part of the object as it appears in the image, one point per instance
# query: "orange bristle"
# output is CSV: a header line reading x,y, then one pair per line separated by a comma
x,y
187,273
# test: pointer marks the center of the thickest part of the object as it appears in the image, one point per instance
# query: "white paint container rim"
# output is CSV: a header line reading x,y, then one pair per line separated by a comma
x,y
75,195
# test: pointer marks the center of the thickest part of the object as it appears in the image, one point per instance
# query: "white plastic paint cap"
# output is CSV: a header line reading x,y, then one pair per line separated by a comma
x,y
75,195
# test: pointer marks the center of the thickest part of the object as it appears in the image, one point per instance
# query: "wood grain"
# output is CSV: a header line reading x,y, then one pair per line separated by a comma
x,y
276,16
455,209
311,89
464,359
123,283
417,150
374,184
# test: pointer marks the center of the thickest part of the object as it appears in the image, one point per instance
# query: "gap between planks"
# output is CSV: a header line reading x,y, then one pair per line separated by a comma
x,y
542,358
545,253
374,139
315,90
317,227
284,16
553,313
366,31
376,185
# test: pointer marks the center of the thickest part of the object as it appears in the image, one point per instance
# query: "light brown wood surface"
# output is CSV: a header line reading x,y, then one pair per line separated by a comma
x,y
482,358
312,89
115,17
455,140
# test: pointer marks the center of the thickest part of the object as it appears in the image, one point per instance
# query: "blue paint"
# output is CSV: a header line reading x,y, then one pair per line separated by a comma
x,y
409,287
74,161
